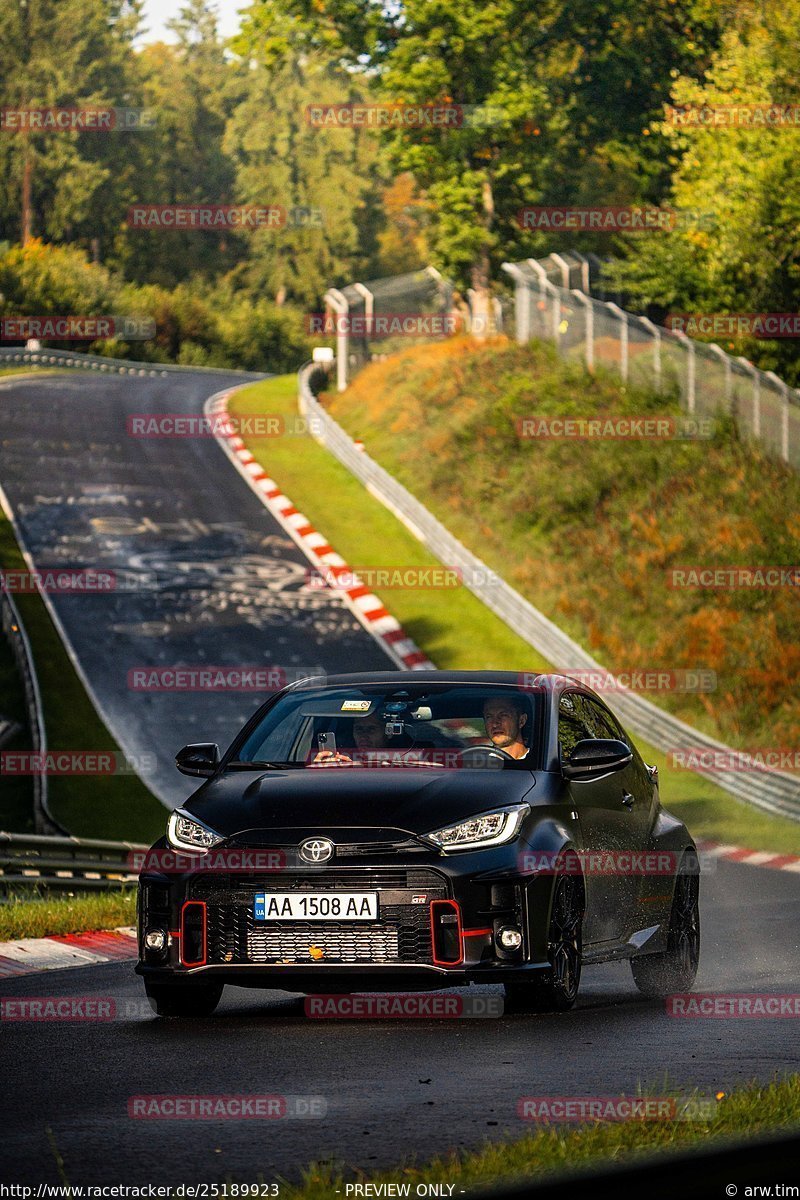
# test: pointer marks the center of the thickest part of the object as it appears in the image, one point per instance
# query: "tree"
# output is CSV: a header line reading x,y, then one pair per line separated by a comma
x,y
325,184
193,87
555,98
737,250
61,53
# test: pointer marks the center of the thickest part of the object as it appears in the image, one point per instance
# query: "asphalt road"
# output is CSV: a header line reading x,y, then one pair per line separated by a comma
x,y
206,577
393,1089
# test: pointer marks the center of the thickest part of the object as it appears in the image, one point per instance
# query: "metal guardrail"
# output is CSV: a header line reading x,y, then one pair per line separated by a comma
x,y
15,634
66,862
772,791
116,366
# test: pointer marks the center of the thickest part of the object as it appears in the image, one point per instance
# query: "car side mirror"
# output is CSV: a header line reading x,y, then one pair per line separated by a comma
x,y
202,758
596,756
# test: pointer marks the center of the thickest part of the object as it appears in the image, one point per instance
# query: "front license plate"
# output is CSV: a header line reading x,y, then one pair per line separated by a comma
x,y
316,906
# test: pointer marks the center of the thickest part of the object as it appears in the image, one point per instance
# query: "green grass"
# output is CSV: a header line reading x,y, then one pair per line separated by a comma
x,y
551,1151
29,917
112,806
27,369
451,625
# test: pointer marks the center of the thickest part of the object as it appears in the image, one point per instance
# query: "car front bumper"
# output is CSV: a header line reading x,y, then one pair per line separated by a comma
x,y
438,925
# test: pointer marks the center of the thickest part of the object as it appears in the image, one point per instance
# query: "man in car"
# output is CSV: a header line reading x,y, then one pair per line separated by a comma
x,y
505,718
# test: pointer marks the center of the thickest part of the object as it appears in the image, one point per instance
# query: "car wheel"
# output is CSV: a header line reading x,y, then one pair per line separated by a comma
x,y
183,1000
674,970
557,990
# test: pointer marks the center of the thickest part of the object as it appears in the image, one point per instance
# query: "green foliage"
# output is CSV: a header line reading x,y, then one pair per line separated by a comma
x,y
279,158
37,279
737,249
196,324
67,53
567,92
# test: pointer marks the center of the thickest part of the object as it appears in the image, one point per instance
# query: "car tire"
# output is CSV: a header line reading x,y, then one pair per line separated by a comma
x,y
557,989
183,1000
674,970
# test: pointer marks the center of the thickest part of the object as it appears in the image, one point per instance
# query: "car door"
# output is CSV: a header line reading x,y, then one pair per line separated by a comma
x,y
593,800
629,813
610,810
635,821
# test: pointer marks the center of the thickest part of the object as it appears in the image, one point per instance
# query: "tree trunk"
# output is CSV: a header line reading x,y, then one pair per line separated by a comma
x,y
481,273
27,173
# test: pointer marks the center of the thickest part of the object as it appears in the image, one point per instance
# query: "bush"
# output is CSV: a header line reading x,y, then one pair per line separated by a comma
x,y
197,324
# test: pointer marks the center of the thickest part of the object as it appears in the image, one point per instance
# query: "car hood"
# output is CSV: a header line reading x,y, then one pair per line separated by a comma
x,y
278,807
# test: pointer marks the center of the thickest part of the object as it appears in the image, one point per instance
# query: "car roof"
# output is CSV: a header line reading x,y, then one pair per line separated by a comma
x,y
525,681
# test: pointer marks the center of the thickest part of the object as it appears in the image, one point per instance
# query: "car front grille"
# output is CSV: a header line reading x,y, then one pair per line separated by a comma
x,y
401,935
206,887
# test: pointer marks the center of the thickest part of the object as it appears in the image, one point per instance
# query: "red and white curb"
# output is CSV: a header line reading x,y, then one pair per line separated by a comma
x,y
69,950
751,858
364,604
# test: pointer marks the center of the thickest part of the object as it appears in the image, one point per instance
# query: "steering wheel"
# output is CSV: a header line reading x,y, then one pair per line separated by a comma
x,y
488,751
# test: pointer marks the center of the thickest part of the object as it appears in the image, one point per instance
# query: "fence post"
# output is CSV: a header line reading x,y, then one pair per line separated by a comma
x,y
755,376
726,362
556,314
688,345
563,265
655,333
341,308
586,282
369,313
587,304
522,302
784,390
621,316
541,275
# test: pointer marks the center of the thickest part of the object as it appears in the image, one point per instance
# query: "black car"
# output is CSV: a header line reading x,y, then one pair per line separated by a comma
x,y
419,829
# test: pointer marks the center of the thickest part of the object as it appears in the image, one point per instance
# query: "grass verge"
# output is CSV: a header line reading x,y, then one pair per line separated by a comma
x,y
745,1113
118,807
27,369
26,916
451,625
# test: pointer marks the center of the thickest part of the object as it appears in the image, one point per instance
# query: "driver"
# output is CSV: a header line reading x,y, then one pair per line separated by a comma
x,y
505,718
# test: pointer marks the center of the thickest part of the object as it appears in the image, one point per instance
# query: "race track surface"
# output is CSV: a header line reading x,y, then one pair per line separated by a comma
x,y
393,1088
206,576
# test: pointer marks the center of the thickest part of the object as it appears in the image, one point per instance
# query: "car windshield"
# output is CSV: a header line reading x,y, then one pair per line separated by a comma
x,y
438,727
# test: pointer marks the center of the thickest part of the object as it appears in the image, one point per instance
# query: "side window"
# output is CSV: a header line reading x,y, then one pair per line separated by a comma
x,y
601,723
607,726
572,726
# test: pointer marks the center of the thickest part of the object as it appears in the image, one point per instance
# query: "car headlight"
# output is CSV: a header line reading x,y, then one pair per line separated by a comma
x,y
486,829
187,833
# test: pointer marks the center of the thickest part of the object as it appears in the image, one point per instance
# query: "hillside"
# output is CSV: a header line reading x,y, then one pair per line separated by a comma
x,y
591,531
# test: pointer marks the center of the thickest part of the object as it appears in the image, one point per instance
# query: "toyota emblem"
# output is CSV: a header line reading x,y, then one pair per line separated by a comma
x,y
316,850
